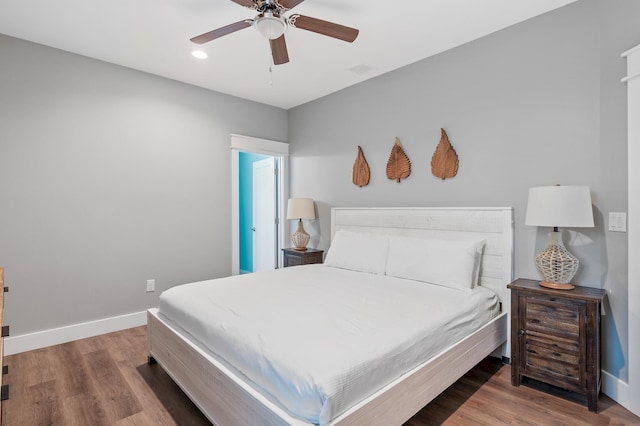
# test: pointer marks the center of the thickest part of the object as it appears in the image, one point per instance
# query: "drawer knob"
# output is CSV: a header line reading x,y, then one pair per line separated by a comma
x,y
520,332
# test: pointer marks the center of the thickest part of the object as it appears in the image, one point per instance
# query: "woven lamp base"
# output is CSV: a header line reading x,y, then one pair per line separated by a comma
x,y
556,264
300,238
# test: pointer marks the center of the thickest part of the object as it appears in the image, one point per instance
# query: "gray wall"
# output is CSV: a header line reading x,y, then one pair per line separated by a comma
x,y
538,103
110,177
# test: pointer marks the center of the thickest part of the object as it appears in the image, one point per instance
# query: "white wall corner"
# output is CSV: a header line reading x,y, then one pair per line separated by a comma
x,y
55,336
615,389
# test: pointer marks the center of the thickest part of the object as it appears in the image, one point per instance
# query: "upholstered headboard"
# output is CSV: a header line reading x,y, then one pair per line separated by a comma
x,y
494,224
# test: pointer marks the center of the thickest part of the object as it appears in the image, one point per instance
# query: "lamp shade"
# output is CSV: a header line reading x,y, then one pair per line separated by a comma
x,y
300,208
560,206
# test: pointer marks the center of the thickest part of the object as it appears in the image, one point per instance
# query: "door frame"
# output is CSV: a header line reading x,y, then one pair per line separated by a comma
x,y
240,143
632,400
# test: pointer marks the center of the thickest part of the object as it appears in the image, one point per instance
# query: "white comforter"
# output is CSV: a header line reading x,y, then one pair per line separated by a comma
x,y
315,339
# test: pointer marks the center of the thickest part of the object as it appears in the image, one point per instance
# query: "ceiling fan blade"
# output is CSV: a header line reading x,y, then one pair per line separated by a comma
x,y
289,4
279,50
246,3
231,28
323,27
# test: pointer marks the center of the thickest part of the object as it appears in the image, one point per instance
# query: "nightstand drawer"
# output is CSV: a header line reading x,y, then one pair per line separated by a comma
x,y
553,316
292,257
290,260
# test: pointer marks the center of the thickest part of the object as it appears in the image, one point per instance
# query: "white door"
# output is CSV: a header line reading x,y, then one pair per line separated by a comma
x,y
264,215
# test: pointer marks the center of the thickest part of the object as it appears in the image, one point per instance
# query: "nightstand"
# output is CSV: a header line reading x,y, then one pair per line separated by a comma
x,y
4,388
293,257
555,337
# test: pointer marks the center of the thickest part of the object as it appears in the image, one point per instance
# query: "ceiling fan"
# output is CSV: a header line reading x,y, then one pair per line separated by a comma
x,y
272,24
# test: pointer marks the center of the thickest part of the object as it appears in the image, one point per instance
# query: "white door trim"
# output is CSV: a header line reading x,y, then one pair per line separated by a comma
x,y
257,146
633,87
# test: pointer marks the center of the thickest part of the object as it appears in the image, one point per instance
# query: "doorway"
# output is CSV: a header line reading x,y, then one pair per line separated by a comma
x,y
258,209
259,192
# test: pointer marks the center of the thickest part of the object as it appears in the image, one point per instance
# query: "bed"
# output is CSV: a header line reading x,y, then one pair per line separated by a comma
x,y
219,377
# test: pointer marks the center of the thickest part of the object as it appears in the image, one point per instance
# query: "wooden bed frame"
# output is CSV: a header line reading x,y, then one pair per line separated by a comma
x,y
227,399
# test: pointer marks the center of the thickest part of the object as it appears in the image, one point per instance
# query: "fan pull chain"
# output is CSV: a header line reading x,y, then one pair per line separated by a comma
x,y
270,76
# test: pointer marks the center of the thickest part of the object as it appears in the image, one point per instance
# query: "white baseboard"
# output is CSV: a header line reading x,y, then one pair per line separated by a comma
x,y
55,336
615,389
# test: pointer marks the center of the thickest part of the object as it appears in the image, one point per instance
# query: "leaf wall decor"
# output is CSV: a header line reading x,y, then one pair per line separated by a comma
x,y
361,173
444,163
399,165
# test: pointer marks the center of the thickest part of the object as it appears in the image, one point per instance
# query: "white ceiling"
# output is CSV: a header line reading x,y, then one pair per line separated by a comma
x,y
153,36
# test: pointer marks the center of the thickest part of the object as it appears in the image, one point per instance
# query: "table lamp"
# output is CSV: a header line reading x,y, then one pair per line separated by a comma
x,y
300,208
558,206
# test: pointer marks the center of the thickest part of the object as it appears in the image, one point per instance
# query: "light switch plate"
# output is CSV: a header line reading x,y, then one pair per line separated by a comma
x,y
617,222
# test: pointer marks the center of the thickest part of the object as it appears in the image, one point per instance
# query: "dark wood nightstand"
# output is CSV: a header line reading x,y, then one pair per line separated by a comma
x,y
4,388
293,257
555,337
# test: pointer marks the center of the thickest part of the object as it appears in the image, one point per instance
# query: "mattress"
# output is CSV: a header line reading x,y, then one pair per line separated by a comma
x,y
315,339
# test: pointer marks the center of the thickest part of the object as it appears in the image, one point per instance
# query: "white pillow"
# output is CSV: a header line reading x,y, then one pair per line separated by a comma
x,y
450,263
358,251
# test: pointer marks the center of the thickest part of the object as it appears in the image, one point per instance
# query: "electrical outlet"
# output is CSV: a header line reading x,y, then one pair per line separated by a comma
x,y
151,286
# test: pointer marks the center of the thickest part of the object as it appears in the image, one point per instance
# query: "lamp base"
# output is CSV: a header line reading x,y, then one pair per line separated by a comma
x,y
300,238
556,264
557,286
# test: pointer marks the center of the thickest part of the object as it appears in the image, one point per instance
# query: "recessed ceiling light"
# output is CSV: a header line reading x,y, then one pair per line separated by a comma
x,y
199,54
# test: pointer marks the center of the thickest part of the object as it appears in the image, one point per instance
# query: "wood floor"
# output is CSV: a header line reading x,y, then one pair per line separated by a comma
x,y
105,380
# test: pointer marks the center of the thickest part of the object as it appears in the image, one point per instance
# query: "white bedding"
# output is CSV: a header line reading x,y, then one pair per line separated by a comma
x,y
315,339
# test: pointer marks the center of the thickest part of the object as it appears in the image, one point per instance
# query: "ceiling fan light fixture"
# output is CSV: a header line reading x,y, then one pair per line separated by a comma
x,y
271,26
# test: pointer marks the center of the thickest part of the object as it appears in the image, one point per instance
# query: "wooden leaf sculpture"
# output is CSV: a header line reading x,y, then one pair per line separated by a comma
x,y
361,173
399,165
444,163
